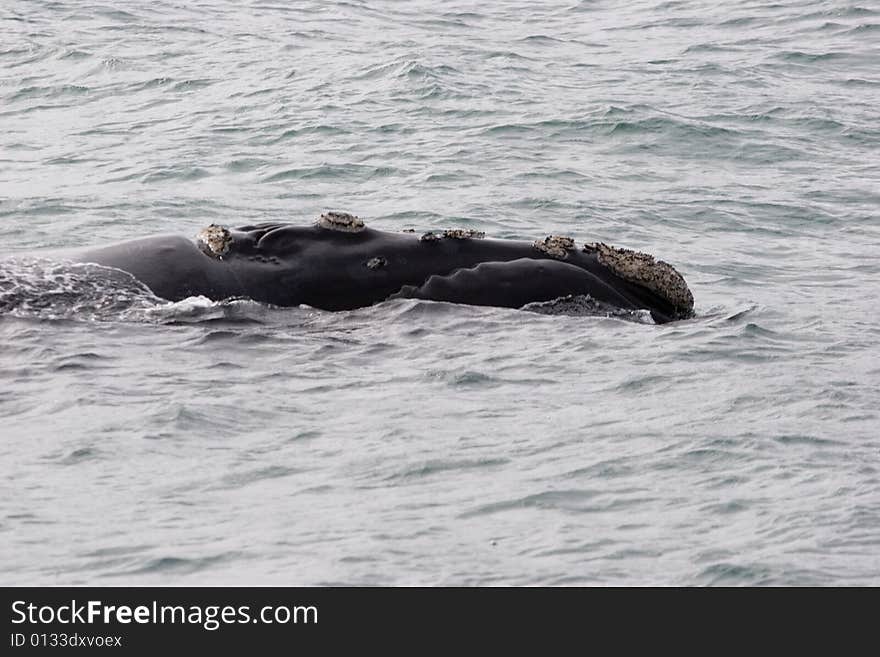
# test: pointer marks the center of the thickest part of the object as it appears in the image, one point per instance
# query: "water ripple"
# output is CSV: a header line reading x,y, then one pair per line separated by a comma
x,y
426,443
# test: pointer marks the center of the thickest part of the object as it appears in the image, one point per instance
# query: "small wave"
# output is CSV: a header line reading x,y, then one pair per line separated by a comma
x,y
709,48
799,56
176,565
319,129
658,125
80,362
116,15
542,39
864,28
74,53
509,129
352,172
466,379
60,91
574,500
406,69
192,85
80,455
175,173
244,164
732,574
441,466
240,479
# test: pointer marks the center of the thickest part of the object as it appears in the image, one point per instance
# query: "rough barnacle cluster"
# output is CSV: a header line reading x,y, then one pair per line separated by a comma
x,y
214,240
555,246
640,268
429,237
376,263
463,234
341,221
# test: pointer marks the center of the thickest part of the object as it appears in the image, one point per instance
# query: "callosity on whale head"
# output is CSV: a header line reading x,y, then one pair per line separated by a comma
x,y
642,269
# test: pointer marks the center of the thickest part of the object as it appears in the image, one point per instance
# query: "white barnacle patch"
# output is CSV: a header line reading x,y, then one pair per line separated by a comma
x,y
642,269
463,234
555,246
376,263
341,221
429,237
214,241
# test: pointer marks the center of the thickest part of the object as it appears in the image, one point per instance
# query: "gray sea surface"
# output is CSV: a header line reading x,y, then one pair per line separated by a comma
x,y
199,442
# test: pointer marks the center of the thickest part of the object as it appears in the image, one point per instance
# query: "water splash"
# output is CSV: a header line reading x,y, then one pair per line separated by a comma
x,y
47,289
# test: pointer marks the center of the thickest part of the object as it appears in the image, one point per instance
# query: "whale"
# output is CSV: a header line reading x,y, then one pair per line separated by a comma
x,y
339,263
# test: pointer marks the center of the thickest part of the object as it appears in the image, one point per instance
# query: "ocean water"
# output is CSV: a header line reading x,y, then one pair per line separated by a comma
x,y
145,442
